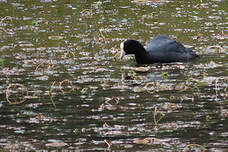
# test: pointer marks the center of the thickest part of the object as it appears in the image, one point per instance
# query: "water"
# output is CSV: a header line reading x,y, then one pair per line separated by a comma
x,y
80,97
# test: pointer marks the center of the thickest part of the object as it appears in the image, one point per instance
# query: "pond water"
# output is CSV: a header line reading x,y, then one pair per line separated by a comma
x,y
64,88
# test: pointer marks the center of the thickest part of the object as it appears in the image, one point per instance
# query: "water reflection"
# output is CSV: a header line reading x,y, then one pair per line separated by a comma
x,y
112,105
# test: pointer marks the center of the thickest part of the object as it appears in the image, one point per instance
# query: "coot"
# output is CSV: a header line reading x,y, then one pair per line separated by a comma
x,y
161,49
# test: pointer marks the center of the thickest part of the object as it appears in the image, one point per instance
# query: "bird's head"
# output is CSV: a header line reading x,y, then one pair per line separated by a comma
x,y
129,47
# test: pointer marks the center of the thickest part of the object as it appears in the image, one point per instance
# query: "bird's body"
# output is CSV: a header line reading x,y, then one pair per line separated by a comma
x,y
160,49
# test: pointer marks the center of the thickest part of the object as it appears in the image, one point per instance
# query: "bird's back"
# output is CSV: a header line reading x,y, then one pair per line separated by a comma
x,y
163,49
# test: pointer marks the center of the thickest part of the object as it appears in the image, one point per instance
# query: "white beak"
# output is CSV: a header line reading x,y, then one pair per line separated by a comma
x,y
122,52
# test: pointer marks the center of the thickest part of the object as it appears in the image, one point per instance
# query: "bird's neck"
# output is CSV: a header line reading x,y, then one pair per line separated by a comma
x,y
141,56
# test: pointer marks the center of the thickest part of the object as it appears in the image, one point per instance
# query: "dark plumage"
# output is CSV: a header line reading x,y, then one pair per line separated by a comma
x,y
161,49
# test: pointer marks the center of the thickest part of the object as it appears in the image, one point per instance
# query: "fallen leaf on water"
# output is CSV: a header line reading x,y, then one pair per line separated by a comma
x,y
141,69
147,141
212,64
55,37
57,144
206,81
163,87
199,35
181,87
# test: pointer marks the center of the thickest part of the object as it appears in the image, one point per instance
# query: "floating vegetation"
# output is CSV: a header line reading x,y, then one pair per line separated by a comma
x,y
163,87
131,75
110,104
84,90
103,107
172,106
69,54
141,69
97,4
210,65
182,98
14,147
16,93
148,141
208,118
106,104
40,118
165,75
102,36
50,95
117,55
108,143
194,147
66,86
3,20
132,72
34,23
168,106
45,65
152,87
157,116
55,37
106,83
78,131
87,12
105,125
181,87
223,111
114,99
37,93
1,61
56,144
218,49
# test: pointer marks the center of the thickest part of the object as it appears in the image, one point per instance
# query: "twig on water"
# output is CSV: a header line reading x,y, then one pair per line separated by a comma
x,y
13,86
61,86
156,111
108,143
50,95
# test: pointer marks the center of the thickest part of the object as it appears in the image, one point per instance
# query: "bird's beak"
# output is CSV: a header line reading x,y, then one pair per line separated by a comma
x,y
122,52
